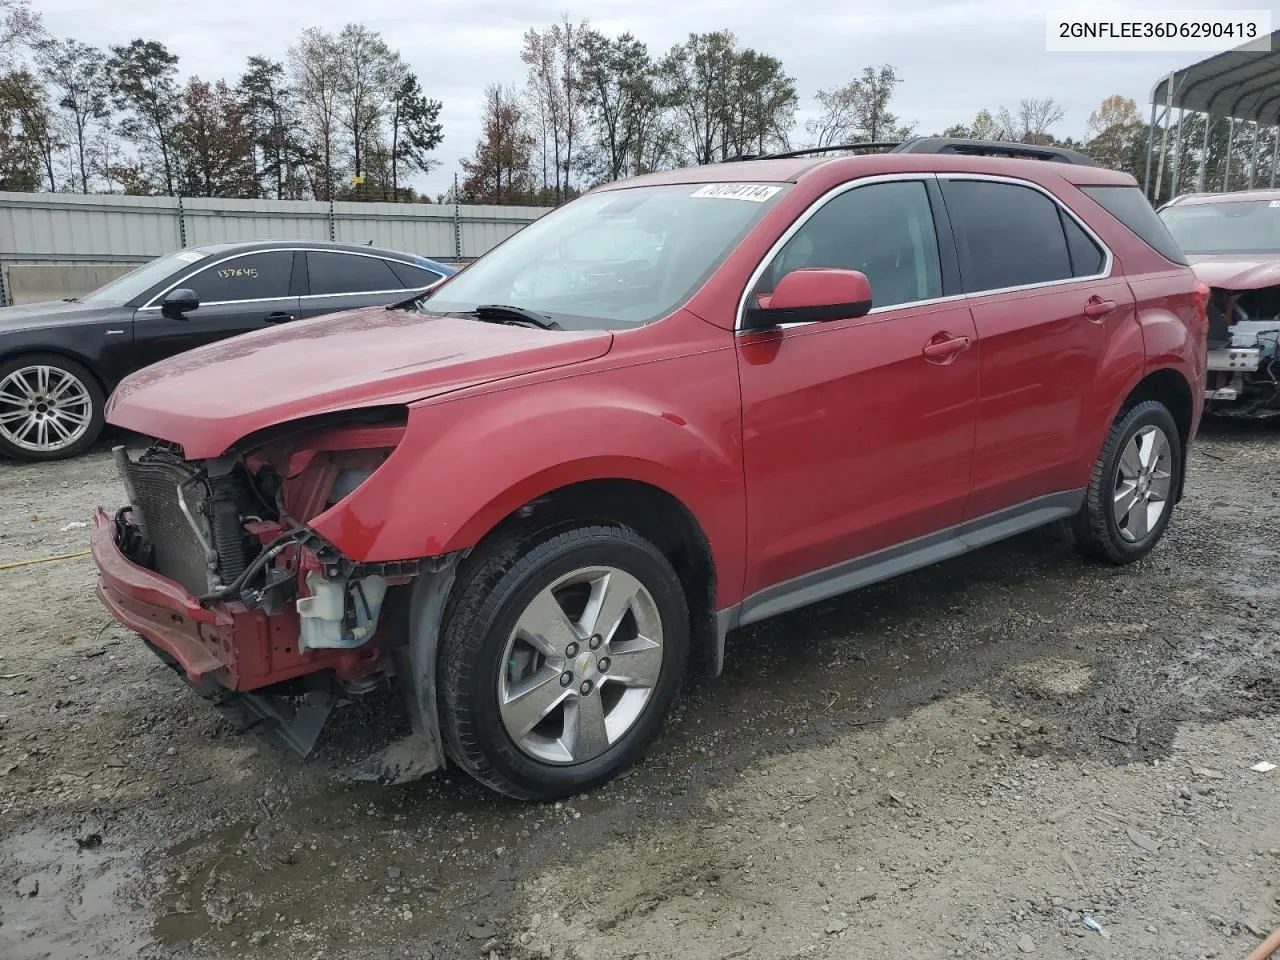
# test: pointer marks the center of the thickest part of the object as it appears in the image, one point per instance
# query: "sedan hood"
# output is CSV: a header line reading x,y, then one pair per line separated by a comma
x,y
50,314
1236,272
210,397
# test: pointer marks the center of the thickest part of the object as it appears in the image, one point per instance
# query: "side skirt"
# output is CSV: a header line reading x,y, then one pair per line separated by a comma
x,y
890,562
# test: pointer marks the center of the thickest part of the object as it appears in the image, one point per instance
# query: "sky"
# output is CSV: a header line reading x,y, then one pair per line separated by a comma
x,y
955,57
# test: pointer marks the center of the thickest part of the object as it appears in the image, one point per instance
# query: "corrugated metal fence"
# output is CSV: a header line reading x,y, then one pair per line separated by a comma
x,y
74,228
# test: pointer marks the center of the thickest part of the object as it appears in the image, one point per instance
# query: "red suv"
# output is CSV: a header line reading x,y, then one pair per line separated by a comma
x,y
537,496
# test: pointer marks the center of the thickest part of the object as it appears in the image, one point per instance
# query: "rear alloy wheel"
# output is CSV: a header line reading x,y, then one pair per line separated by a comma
x,y
560,659
50,408
1134,483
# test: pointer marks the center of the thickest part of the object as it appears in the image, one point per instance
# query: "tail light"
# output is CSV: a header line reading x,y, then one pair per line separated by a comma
x,y
1202,300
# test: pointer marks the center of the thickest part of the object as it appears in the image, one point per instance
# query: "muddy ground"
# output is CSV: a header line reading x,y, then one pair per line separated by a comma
x,y
966,762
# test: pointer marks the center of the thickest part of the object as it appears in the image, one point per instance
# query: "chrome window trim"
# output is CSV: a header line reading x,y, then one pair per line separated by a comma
x,y
1108,261
155,302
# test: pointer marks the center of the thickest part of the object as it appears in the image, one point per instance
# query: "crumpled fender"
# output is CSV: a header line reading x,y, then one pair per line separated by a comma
x,y
467,462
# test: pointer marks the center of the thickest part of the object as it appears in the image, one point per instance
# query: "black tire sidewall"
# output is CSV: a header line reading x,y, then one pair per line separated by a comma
x,y
1146,414
511,595
96,414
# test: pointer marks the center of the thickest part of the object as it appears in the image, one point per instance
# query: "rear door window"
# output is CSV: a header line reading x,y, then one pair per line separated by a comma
x,y
336,273
1009,235
254,276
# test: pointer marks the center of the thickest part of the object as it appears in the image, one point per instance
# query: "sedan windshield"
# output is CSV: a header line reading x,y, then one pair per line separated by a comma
x,y
614,259
1236,226
137,282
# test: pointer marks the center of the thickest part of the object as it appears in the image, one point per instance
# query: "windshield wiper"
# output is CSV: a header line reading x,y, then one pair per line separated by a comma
x,y
414,301
502,313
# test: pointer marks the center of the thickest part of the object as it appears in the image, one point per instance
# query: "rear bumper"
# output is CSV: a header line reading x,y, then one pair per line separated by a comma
x,y
224,643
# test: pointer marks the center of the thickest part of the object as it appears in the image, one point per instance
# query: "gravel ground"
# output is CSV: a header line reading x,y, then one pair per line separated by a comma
x,y
966,762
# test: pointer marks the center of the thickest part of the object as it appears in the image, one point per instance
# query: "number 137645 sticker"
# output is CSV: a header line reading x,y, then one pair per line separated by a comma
x,y
755,192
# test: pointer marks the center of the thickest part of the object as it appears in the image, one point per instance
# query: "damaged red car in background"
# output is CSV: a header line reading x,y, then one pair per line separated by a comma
x,y
1232,241
535,498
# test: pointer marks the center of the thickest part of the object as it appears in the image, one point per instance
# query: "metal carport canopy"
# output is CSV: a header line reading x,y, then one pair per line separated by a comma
x,y
1243,82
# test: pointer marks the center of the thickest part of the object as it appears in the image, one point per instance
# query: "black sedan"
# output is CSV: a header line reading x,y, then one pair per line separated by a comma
x,y
60,360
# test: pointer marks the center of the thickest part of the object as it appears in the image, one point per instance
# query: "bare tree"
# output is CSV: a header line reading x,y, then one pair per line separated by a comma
x,y
20,26
77,76
858,112
366,78
1031,121
555,91
317,79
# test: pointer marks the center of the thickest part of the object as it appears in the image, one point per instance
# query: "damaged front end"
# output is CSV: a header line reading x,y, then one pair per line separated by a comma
x,y
1243,353
215,565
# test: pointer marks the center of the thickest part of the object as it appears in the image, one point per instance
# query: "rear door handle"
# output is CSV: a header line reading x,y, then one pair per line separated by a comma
x,y
941,350
278,317
1097,307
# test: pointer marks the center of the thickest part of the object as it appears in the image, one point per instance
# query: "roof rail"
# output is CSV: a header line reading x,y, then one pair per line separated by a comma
x,y
958,145
835,147
993,148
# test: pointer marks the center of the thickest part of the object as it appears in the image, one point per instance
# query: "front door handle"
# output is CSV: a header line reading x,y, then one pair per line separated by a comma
x,y
1097,308
278,317
943,347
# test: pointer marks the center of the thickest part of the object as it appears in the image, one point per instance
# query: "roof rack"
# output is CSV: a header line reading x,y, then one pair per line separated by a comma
x,y
994,148
935,145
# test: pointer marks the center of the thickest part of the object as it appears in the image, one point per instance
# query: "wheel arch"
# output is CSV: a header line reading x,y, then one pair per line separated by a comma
x,y
651,510
17,353
1168,386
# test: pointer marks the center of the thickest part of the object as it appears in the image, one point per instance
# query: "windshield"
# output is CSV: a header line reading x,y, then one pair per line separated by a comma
x,y
1236,226
614,259
137,282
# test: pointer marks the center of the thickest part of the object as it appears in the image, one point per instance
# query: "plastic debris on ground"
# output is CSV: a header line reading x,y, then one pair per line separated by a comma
x,y
1096,927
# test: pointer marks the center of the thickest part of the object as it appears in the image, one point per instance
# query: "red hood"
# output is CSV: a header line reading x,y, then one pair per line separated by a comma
x,y
210,397
1237,272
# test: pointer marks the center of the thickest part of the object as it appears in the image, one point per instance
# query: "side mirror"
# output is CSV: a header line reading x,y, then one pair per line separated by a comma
x,y
811,294
179,303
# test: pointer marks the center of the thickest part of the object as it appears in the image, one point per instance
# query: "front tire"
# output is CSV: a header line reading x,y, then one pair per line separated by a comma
x,y
1133,486
560,659
51,408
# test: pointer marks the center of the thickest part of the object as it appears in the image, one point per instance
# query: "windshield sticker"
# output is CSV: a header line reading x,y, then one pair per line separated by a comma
x,y
189,256
755,192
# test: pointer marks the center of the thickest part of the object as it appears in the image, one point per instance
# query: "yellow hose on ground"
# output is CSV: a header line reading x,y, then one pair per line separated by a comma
x,y
28,563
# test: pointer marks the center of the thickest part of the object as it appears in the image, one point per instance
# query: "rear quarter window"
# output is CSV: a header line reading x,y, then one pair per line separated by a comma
x,y
1130,207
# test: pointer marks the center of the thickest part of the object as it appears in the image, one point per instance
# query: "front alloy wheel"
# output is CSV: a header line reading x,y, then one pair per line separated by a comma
x,y
560,656
580,665
50,408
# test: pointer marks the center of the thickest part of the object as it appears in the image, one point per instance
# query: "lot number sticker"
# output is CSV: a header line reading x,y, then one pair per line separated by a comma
x,y
755,192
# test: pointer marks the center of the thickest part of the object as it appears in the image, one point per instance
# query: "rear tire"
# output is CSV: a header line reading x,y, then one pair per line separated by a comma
x,y
1133,486
560,658
51,408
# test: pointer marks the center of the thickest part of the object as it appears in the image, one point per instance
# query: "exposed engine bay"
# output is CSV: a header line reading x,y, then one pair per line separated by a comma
x,y
1244,353
293,626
